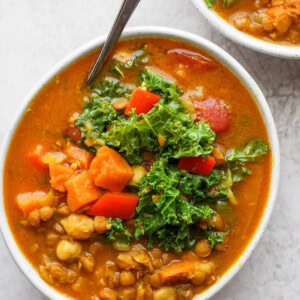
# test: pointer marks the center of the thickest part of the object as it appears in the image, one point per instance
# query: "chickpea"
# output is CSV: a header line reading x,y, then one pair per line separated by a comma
x,y
242,23
127,278
58,228
202,248
165,293
120,104
46,213
156,280
125,261
206,267
52,239
267,23
198,278
218,156
186,294
148,293
68,250
34,218
100,224
138,173
218,222
95,247
63,210
88,262
256,29
221,247
156,253
157,264
78,284
78,226
128,293
166,258
107,294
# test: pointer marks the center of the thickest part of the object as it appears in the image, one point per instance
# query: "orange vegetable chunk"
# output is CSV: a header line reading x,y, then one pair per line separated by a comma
x,y
178,271
28,202
59,174
115,205
81,191
110,170
79,155
35,158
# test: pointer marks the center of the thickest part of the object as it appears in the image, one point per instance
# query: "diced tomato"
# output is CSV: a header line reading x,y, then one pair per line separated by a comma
x,y
143,101
59,174
115,205
81,191
74,133
197,165
192,59
109,170
213,112
35,158
79,155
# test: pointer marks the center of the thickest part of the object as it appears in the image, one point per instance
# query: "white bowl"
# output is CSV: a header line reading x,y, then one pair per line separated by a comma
x,y
211,49
237,36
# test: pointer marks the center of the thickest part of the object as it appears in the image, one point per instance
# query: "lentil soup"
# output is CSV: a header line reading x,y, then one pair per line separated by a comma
x,y
148,185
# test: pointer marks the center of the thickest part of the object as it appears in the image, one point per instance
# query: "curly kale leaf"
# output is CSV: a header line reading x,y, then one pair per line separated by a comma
x,y
168,121
213,237
110,89
161,210
118,232
250,152
198,187
94,120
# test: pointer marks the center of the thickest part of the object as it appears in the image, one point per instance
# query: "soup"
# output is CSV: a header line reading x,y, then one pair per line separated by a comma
x,y
148,185
272,20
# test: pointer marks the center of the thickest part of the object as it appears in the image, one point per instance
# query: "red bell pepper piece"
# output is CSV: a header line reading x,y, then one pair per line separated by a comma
x,y
143,101
115,205
197,165
35,158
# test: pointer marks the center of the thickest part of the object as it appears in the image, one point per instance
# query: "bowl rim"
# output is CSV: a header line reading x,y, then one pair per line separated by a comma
x,y
148,31
248,41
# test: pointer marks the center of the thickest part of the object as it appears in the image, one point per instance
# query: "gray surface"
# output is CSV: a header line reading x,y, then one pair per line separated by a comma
x,y
35,34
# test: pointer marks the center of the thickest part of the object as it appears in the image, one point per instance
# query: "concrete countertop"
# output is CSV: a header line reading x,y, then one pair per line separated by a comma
x,y
35,35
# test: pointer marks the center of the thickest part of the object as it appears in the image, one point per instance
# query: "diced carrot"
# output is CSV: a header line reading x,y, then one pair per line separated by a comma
x,y
35,158
81,191
143,101
178,271
110,170
59,174
115,205
79,155
30,201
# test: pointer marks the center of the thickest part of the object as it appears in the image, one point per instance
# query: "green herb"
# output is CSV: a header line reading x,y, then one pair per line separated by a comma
x,y
118,232
54,216
18,224
213,237
250,152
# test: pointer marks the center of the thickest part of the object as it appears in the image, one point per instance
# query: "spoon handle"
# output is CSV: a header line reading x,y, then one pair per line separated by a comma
x,y
124,15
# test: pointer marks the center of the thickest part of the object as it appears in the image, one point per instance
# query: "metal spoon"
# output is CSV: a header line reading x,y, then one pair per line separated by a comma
x,y
124,15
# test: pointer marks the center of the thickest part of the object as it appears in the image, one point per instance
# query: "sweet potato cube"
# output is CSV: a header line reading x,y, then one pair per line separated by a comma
x,y
79,155
81,191
59,174
110,170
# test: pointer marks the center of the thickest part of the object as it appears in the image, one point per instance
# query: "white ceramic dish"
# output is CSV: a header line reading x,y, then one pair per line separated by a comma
x,y
244,39
227,61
